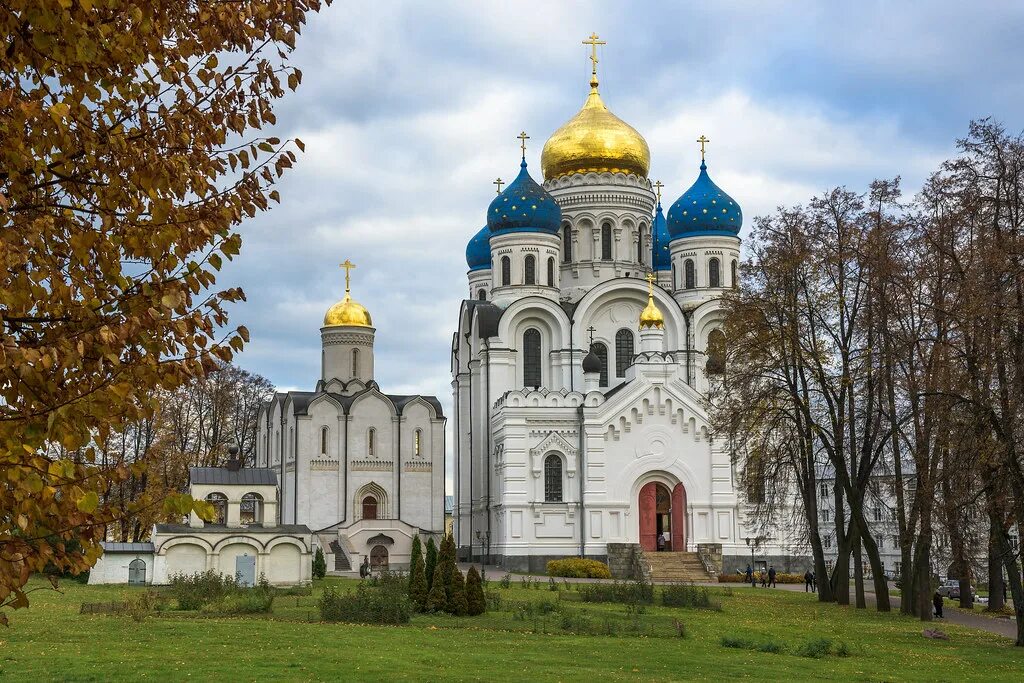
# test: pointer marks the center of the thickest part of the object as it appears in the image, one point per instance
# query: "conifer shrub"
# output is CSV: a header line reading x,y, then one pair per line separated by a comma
x,y
475,601
431,561
437,599
418,579
415,557
579,568
319,564
446,565
458,604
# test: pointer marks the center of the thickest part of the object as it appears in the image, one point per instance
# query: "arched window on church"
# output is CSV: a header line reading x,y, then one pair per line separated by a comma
x,y
640,246
623,351
601,351
324,433
251,509
355,362
735,275
417,443
551,272
531,358
371,442
714,273
220,508
552,479
369,507
481,294
606,241
566,243
716,353
675,279
529,270
690,274
506,271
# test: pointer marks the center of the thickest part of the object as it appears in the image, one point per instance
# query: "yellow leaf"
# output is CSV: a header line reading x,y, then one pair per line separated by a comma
x,y
89,502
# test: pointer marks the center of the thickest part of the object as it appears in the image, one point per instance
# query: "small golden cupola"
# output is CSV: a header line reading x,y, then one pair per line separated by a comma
x,y
347,313
595,140
651,316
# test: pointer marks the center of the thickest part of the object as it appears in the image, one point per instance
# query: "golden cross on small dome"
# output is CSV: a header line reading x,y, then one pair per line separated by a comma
x,y
523,137
650,283
348,266
657,188
499,182
593,42
703,141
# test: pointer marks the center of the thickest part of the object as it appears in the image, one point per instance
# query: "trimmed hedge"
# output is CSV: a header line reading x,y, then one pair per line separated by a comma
x,y
577,568
366,605
779,578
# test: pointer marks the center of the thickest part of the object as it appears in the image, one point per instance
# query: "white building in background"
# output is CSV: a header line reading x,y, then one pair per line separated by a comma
x,y
579,412
363,469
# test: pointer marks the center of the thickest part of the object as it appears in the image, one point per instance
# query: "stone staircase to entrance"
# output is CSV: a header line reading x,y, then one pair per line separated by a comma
x,y
678,567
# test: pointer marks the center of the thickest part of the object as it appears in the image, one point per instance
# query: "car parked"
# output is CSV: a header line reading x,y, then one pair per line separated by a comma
x,y
951,589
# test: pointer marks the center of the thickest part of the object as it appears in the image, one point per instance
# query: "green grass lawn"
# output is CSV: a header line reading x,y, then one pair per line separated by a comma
x,y
52,641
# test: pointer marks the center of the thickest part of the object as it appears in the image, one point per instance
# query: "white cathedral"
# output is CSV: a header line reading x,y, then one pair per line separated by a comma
x,y
584,354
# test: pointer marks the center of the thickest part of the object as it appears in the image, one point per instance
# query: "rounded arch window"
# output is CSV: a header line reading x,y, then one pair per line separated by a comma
x,y
601,351
714,273
716,353
481,294
530,270
690,274
371,442
566,243
251,510
417,443
220,508
506,270
606,242
531,358
552,478
623,351
379,558
355,362
551,272
324,439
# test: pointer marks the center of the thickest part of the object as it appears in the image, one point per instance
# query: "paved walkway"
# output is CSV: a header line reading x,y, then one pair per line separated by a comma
x,y
1002,626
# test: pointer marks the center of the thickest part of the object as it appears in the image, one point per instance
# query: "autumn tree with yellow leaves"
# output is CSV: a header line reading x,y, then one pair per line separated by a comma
x,y
130,152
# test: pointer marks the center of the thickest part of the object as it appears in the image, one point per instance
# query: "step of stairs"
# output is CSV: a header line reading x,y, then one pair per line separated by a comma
x,y
674,566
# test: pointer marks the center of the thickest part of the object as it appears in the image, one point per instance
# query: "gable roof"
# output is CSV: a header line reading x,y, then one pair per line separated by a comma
x,y
222,476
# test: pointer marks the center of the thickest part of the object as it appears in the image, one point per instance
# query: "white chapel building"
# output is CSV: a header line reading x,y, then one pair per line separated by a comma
x,y
583,355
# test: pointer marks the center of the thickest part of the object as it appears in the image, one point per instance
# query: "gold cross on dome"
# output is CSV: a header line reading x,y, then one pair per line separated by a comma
x,y
523,137
703,141
593,42
499,182
650,283
657,188
348,266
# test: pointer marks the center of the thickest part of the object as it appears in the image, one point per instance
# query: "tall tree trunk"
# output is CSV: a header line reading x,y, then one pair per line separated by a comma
x,y
996,587
858,573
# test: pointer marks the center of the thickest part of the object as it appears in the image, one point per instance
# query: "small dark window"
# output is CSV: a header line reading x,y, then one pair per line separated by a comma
x,y
251,509
551,272
324,432
601,351
531,358
675,279
355,362
606,242
220,508
640,246
481,295
371,442
506,270
566,244
714,273
716,353
530,270
735,275
689,274
623,351
552,479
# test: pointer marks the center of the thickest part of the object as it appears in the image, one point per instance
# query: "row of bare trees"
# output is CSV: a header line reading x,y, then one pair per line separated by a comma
x,y
877,339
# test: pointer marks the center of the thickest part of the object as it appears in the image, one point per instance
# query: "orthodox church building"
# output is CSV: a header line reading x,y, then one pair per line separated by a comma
x,y
583,355
363,469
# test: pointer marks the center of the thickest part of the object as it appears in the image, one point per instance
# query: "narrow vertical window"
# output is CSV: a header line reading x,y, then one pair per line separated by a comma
x,y
601,351
716,353
566,244
623,351
417,441
735,275
640,246
371,442
689,274
606,242
675,278
355,362
323,440
714,273
552,479
506,270
531,358
481,295
529,270
551,272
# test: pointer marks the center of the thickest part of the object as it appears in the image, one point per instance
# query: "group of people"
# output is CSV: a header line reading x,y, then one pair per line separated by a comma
x,y
767,578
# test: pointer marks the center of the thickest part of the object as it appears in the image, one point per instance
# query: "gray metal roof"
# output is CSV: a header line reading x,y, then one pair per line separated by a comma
x,y
449,504
127,547
294,529
222,476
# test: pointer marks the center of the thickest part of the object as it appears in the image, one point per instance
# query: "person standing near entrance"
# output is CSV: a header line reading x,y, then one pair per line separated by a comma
x,y
661,541
771,577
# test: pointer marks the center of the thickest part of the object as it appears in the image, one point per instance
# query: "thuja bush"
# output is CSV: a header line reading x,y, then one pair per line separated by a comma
x,y
366,605
319,564
575,567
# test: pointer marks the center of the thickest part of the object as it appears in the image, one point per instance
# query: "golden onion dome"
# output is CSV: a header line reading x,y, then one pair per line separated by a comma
x,y
347,313
595,140
651,315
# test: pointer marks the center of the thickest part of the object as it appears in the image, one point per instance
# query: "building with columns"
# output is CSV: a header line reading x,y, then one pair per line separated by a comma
x,y
362,468
583,355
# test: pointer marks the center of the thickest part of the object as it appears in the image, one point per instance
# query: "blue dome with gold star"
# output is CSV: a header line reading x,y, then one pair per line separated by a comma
x,y
524,206
478,251
704,209
662,258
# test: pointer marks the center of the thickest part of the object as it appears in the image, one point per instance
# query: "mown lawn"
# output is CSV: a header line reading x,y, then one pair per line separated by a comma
x,y
52,641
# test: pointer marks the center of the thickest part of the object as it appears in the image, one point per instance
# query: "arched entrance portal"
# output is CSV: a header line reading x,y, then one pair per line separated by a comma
x,y
662,511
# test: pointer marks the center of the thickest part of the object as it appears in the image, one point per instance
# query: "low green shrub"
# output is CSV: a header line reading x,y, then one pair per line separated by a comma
x,y
815,648
771,647
366,605
579,568
506,581
252,601
141,605
628,592
192,591
687,595
737,642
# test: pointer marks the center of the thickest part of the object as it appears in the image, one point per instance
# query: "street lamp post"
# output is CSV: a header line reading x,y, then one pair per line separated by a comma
x,y
752,542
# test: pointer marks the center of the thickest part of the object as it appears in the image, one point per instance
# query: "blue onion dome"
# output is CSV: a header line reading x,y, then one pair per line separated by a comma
x,y
662,257
478,251
524,206
704,209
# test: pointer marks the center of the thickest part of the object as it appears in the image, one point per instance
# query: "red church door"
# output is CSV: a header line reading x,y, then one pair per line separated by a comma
x,y
679,518
649,516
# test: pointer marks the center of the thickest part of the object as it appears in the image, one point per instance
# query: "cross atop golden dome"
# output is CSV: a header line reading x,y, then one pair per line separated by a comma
x,y
595,140
651,315
347,313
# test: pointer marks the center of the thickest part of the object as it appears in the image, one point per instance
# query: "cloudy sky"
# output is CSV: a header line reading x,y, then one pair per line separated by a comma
x,y
410,109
